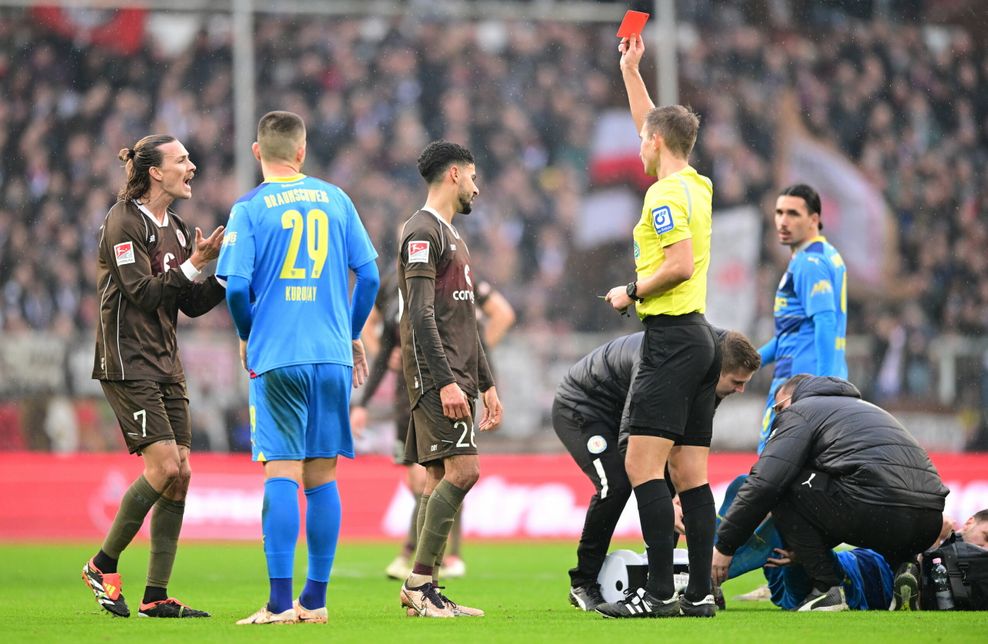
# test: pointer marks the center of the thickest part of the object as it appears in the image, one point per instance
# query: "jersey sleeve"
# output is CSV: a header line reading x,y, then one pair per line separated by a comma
x,y
360,249
814,285
420,251
238,250
668,216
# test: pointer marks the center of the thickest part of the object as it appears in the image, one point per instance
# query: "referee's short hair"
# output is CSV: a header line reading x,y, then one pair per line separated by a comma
x,y
807,194
678,126
438,156
738,354
280,134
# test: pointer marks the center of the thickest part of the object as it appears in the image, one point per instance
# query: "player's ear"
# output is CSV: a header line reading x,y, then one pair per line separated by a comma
x,y
300,154
155,173
255,149
454,173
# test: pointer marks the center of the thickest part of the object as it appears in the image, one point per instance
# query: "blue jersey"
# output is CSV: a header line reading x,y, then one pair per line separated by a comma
x,y
815,282
295,240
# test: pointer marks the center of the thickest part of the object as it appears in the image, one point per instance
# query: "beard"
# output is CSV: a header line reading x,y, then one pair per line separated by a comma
x,y
466,204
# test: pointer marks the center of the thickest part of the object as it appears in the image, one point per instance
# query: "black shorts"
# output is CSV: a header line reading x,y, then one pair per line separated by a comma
x,y
150,411
674,393
433,437
593,445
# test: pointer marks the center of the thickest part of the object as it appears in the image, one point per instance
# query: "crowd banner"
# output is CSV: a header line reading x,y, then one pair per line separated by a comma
x,y
74,497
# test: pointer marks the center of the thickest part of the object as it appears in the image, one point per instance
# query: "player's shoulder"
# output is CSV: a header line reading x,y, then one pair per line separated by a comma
x,y
667,191
249,196
125,217
422,222
331,189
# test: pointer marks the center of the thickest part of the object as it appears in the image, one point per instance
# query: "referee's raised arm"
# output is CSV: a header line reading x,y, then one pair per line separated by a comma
x,y
632,49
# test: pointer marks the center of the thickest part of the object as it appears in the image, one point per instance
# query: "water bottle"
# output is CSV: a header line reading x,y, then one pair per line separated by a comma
x,y
941,584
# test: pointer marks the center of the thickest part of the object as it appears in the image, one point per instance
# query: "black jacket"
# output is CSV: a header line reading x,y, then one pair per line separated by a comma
x,y
867,454
597,386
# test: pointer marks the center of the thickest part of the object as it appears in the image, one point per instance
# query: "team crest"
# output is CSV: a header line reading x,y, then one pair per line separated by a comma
x,y
596,444
124,252
662,220
418,252
181,237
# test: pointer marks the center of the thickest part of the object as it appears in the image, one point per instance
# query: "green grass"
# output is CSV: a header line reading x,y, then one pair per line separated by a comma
x,y
522,586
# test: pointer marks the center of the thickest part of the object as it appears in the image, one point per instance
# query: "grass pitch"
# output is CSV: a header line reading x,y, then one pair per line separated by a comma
x,y
521,585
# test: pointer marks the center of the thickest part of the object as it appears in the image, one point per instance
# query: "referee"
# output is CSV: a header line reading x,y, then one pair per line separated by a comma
x,y
672,398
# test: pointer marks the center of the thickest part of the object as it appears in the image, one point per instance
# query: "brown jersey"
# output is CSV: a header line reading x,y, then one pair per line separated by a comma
x,y
141,287
440,342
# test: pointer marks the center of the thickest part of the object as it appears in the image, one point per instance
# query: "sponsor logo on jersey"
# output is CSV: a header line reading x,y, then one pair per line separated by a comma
x,y
124,252
230,239
822,287
638,251
596,444
418,252
662,220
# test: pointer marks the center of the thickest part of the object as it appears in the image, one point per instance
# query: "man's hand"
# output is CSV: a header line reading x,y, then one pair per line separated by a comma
x,y
618,298
785,558
492,411
454,401
243,355
208,249
358,420
632,49
719,566
360,369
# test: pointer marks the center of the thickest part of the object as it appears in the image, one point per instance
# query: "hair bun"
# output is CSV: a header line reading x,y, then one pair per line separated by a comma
x,y
125,154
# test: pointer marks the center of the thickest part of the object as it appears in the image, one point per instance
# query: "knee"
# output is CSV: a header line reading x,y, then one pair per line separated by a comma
x,y
464,477
167,472
638,471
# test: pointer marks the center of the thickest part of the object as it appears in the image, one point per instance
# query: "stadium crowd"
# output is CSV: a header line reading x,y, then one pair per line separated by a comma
x,y
899,99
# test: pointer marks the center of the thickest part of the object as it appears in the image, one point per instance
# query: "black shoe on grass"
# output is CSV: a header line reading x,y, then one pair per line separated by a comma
x,y
170,607
586,598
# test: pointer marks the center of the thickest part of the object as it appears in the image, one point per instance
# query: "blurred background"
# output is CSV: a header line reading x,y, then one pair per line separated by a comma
x,y
881,105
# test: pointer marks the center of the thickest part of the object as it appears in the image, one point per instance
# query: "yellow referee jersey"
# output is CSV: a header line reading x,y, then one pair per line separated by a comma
x,y
676,207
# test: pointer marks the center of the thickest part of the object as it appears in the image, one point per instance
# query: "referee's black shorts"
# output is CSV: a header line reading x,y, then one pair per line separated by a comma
x,y
674,393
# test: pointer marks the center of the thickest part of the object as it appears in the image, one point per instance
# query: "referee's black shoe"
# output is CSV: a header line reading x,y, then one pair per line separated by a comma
x,y
586,598
706,607
641,603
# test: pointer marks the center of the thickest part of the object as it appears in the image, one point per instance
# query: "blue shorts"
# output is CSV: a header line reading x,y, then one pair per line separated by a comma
x,y
300,412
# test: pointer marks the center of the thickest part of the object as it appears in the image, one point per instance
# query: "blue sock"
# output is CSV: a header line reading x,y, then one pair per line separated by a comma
x,y
280,524
322,530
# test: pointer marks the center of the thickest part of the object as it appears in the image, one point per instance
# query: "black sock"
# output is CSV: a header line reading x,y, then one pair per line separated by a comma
x,y
699,519
657,519
154,594
105,563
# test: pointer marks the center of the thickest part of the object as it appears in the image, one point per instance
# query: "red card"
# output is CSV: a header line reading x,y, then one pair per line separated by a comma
x,y
633,23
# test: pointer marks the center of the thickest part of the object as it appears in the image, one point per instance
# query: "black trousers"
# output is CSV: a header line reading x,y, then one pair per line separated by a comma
x,y
813,521
593,445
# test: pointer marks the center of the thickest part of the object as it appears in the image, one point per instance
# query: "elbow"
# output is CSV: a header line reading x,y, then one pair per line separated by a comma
x,y
683,273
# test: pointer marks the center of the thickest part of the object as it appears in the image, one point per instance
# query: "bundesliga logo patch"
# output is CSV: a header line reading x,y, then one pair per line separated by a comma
x,y
124,253
662,220
418,252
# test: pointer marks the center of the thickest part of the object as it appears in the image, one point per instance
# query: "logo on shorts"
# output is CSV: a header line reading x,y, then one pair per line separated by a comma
x,y
418,252
596,444
434,448
124,253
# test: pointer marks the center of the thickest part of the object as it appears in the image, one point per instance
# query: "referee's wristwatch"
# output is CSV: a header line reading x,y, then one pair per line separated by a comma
x,y
632,291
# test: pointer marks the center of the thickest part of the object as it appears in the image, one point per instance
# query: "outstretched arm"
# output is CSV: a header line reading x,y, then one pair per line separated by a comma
x,y
632,50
